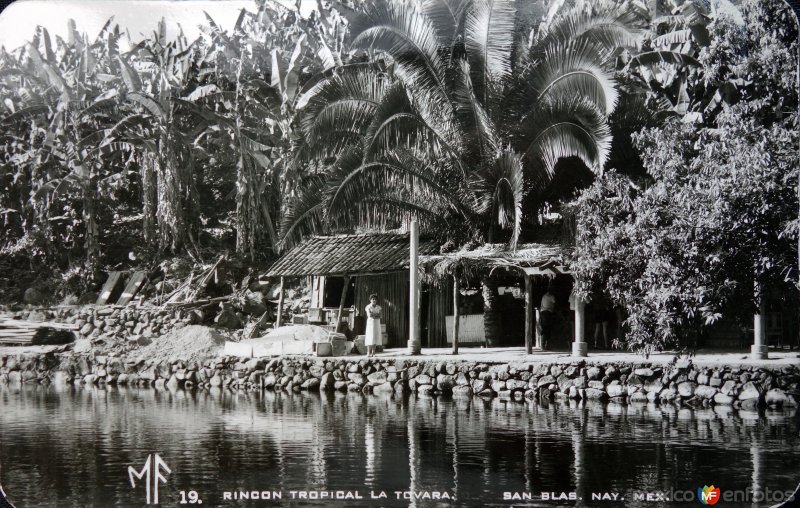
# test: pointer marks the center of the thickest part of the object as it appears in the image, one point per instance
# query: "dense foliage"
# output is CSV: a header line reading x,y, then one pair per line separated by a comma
x,y
117,152
714,217
674,124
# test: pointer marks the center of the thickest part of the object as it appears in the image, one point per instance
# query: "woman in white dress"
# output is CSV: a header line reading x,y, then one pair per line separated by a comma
x,y
373,335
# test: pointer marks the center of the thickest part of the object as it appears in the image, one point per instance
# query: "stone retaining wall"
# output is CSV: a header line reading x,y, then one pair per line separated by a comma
x,y
679,383
122,328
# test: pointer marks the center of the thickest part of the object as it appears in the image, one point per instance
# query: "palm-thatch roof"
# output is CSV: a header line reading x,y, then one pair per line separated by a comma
x,y
472,263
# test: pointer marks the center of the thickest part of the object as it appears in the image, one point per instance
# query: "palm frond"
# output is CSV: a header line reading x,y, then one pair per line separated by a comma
x,y
447,17
304,214
572,70
656,58
346,101
408,36
567,127
489,39
500,191
478,127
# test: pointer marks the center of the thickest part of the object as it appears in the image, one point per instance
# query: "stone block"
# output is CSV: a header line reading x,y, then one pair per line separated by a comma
x,y
686,389
616,390
776,397
705,392
750,391
378,378
462,391
594,394
723,399
445,382
425,390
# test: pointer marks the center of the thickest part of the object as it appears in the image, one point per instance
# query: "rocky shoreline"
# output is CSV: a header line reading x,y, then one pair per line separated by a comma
x,y
681,383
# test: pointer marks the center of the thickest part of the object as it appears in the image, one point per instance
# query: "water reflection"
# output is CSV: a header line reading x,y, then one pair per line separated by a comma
x,y
72,447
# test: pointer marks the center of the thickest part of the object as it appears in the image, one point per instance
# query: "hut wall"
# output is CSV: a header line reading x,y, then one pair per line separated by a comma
x,y
440,304
392,291
317,291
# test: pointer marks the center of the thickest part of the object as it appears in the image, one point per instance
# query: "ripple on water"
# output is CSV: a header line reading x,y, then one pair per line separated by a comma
x,y
72,447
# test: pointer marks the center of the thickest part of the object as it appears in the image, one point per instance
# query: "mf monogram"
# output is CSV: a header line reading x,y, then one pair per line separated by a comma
x,y
151,472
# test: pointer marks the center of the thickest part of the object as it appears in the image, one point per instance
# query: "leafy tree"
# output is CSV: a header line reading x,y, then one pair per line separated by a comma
x,y
714,218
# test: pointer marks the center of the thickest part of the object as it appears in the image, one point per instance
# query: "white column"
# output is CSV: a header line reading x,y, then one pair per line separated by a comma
x,y
414,344
580,348
759,349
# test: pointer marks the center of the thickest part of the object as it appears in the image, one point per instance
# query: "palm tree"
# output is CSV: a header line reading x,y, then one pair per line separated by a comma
x,y
459,110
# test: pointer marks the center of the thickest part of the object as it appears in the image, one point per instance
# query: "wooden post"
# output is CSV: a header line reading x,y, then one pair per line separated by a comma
x,y
341,302
529,325
759,349
280,306
456,298
579,348
414,344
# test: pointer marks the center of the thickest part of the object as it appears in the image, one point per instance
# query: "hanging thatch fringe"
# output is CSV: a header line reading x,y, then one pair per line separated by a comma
x,y
471,264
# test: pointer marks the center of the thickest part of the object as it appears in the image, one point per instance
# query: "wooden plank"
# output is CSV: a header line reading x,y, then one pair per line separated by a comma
x,y
106,294
134,285
34,325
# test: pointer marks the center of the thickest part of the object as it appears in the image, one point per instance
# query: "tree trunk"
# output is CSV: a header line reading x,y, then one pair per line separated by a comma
x,y
248,207
148,169
169,210
92,230
491,317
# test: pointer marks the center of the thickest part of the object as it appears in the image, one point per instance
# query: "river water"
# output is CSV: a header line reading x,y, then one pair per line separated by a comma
x,y
73,447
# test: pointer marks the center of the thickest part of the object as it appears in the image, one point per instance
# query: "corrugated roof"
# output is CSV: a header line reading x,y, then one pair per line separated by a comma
x,y
348,255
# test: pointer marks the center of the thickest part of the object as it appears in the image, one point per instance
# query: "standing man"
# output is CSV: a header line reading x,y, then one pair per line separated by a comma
x,y
546,313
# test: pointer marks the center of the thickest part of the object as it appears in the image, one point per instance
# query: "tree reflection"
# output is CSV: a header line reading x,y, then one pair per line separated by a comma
x,y
74,445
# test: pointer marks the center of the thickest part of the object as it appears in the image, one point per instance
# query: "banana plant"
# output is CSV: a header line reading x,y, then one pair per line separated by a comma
x,y
56,111
252,79
151,79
